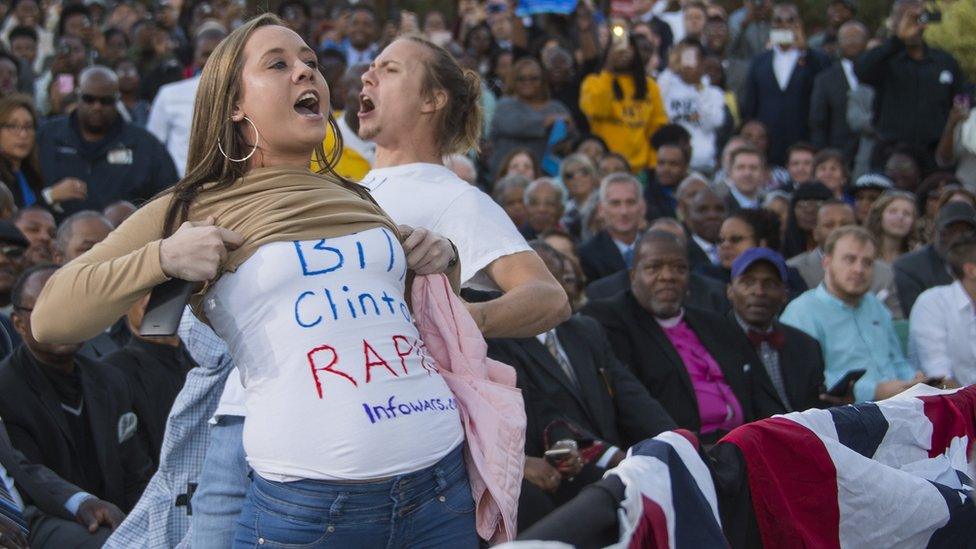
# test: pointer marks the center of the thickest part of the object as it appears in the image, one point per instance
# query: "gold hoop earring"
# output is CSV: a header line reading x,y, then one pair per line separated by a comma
x,y
257,138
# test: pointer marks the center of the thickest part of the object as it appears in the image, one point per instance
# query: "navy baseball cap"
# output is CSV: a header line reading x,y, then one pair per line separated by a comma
x,y
753,255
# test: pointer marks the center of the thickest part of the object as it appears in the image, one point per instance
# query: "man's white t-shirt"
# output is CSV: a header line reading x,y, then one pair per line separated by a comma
x,y
433,197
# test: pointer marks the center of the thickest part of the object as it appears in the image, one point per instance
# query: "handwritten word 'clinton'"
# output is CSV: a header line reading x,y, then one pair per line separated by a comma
x,y
411,407
311,308
325,359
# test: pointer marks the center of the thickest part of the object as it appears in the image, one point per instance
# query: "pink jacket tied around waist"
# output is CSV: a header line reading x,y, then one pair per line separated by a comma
x,y
491,407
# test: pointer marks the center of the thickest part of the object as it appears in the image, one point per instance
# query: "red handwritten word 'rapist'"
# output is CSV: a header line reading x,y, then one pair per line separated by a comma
x,y
325,358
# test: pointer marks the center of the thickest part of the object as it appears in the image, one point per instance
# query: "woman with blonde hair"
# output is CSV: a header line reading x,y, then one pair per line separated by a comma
x,y
353,434
892,222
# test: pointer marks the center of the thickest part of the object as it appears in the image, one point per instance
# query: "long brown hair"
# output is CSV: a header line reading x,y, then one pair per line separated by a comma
x,y
873,223
220,87
30,166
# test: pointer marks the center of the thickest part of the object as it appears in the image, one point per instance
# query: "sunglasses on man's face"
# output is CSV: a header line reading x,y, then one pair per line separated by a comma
x,y
106,101
13,252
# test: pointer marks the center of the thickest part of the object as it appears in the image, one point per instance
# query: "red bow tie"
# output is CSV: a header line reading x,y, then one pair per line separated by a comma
x,y
775,338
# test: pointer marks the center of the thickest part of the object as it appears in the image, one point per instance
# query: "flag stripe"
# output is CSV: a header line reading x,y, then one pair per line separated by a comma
x,y
690,505
795,500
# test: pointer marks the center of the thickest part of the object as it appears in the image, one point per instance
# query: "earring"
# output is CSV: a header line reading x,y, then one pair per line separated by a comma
x,y
257,138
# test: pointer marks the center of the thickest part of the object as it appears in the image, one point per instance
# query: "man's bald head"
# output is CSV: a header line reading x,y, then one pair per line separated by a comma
x,y
852,38
97,112
97,75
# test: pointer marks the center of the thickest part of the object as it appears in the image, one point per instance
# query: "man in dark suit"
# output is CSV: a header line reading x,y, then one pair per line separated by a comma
x,y
574,389
703,224
926,267
622,207
828,103
780,81
69,413
703,292
695,363
58,513
793,359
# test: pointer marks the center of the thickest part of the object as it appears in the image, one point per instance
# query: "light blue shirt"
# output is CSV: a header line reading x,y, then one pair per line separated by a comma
x,y
851,338
72,505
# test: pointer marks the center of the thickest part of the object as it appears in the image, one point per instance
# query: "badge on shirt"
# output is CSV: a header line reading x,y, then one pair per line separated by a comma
x,y
945,77
121,155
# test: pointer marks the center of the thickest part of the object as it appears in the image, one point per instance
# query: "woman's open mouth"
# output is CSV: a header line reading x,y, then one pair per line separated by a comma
x,y
308,105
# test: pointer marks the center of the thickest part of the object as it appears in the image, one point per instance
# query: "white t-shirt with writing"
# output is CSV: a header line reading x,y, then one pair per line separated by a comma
x,y
433,197
338,384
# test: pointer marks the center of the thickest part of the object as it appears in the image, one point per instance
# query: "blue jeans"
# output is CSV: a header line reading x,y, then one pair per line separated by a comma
x,y
221,487
430,508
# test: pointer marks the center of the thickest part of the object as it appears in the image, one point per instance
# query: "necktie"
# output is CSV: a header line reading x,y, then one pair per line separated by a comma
x,y
774,338
10,509
563,363
629,256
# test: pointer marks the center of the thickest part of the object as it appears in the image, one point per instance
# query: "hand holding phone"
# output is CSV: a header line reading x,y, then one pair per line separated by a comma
x,y
842,387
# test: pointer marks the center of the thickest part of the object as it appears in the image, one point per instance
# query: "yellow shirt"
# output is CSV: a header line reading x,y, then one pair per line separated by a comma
x,y
626,125
351,164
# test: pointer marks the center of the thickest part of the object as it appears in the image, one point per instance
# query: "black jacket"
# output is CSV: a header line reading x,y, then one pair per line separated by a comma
x,y
38,428
703,292
610,404
913,97
801,364
784,112
129,164
156,374
600,257
639,342
660,203
918,271
36,484
828,112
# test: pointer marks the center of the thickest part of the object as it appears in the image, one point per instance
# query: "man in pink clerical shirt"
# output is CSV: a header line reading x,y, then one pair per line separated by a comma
x,y
696,363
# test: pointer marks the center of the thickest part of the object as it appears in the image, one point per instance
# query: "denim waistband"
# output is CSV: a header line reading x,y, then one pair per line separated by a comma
x,y
377,497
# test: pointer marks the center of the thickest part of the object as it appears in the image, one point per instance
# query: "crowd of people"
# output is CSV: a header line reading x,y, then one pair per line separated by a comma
x,y
661,214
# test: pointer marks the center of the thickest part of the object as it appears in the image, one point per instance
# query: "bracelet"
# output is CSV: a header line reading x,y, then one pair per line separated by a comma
x,y
454,259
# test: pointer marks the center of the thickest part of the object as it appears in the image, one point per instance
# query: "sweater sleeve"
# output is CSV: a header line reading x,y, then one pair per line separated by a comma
x,y
88,295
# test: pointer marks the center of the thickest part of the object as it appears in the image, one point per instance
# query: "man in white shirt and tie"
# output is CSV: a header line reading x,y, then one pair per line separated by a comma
x,y
942,337
745,178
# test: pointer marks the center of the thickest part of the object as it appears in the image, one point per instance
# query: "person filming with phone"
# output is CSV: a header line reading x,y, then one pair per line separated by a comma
x,y
915,83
